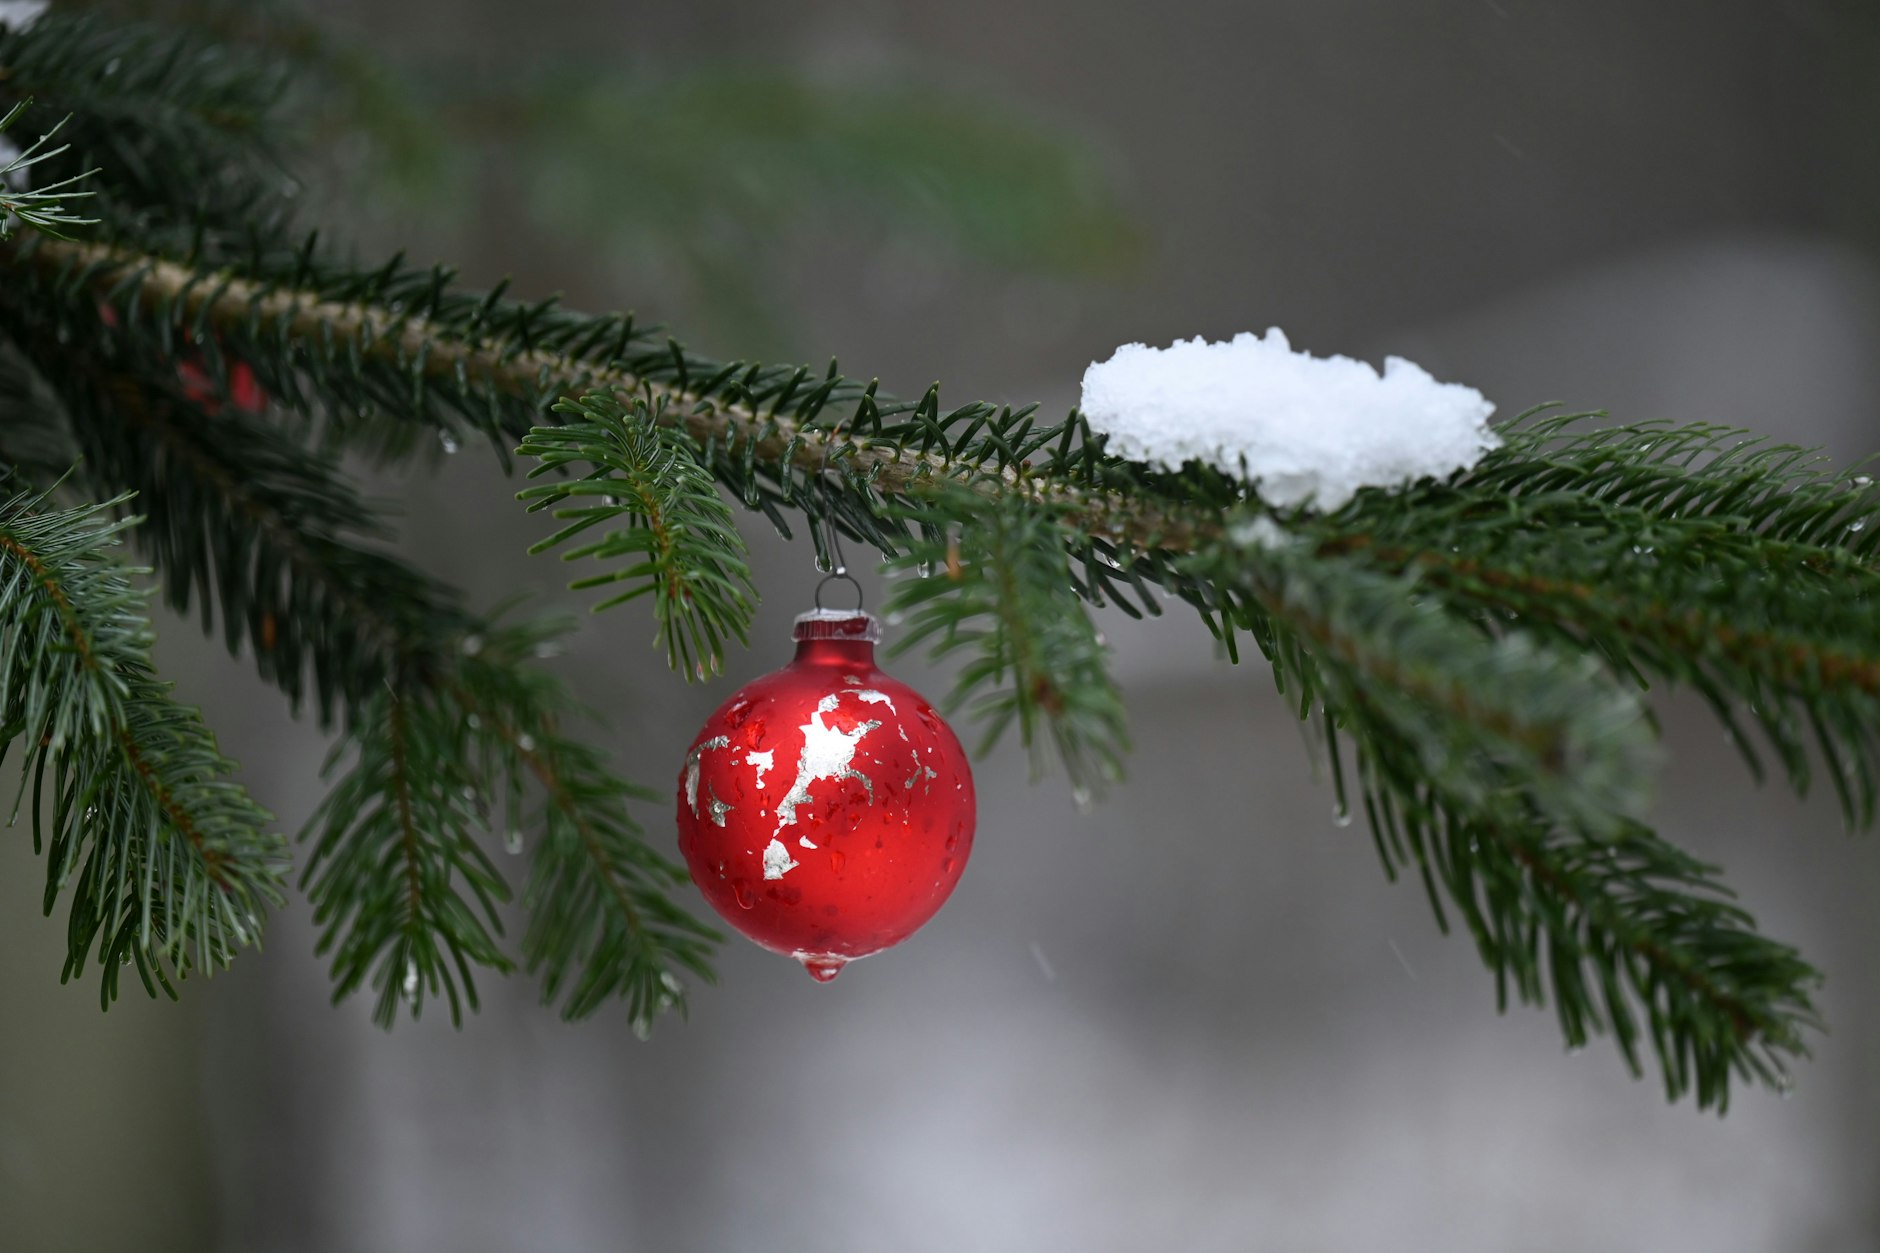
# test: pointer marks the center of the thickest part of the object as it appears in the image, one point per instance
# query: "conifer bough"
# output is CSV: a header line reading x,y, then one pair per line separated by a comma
x,y
1472,649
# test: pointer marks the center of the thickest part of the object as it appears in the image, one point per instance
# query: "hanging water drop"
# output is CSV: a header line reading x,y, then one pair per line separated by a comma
x,y
1858,524
924,569
822,967
1862,480
525,742
642,1025
512,842
823,564
1341,815
1081,798
472,645
411,981
447,440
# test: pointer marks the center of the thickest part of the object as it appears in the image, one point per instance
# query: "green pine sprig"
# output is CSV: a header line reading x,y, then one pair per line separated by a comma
x,y
167,865
645,483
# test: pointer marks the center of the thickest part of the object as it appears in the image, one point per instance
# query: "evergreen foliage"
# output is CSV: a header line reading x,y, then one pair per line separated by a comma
x,y
169,865
1473,652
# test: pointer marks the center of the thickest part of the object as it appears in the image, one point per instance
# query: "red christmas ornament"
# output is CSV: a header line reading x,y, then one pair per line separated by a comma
x,y
826,811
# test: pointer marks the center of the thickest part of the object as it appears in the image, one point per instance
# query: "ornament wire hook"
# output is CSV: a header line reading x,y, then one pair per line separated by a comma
x,y
832,538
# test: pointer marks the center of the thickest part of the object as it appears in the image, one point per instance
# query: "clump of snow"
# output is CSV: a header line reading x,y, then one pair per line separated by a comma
x,y
21,14
1304,430
1259,531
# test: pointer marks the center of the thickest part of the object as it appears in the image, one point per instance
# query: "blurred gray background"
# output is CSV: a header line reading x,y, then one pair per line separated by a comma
x,y
1197,1017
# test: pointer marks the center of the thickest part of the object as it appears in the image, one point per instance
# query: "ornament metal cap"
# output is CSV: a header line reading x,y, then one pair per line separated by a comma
x,y
837,624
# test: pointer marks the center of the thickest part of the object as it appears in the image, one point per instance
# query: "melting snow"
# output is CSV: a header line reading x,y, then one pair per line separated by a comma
x,y
1306,430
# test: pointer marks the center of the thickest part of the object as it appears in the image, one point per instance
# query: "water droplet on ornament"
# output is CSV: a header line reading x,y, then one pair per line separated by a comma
x,y
447,441
512,842
837,860
946,865
823,969
953,842
741,891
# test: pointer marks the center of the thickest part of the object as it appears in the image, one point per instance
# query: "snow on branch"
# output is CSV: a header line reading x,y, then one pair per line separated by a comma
x,y
1305,430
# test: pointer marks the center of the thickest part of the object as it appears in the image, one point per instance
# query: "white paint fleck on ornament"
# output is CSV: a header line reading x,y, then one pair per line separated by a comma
x,y
777,860
828,753
763,762
691,769
719,808
877,698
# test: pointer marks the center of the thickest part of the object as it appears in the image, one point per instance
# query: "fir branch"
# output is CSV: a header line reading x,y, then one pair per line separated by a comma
x,y
243,514
1508,775
1685,555
404,344
601,922
245,519
35,437
169,122
1486,711
1003,594
396,856
168,863
645,476
45,208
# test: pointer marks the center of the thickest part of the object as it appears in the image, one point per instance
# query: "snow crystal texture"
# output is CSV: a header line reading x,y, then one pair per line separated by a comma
x,y
1304,430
